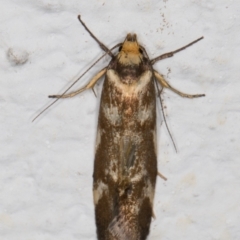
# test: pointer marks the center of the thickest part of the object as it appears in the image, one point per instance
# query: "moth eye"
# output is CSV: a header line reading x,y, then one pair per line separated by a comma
x,y
120,48
140,50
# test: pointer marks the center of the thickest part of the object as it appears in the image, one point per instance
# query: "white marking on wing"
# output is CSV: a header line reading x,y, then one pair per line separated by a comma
x,y
145,113
113,169
111,113
133,89
99,190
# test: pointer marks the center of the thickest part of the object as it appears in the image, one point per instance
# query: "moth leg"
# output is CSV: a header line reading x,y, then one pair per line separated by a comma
x,y
161,176
165,84
91,84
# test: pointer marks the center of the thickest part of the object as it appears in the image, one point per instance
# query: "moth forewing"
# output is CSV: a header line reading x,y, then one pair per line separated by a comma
x,y
125,165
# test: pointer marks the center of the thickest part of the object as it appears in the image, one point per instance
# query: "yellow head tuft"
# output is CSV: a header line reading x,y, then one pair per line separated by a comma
x,y
130,52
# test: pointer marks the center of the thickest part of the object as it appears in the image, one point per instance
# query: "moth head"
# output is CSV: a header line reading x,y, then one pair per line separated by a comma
x,y
130,52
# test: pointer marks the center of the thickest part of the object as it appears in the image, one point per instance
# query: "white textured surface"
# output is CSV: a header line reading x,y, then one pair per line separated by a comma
x,y
46,166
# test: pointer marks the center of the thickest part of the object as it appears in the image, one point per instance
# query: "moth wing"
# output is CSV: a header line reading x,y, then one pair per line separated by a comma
x,y
120,228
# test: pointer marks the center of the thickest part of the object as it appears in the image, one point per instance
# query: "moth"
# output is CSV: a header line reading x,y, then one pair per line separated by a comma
x,y
125,165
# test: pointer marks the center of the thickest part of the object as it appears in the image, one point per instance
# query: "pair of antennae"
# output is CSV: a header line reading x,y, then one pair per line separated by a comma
x,y
109,52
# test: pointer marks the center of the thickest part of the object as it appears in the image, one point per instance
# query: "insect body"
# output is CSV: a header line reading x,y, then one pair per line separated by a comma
x,y
125,167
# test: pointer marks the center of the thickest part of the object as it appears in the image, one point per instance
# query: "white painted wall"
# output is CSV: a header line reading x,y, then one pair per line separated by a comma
x,y
46,167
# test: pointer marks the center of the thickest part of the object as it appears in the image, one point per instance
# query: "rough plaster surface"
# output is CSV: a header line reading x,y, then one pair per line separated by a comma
x,y
46,166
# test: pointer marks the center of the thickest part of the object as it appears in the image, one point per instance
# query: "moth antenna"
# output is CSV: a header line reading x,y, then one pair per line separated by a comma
x,y
164,117
94,92
159,95
170,54
102,46
119,44
144,50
